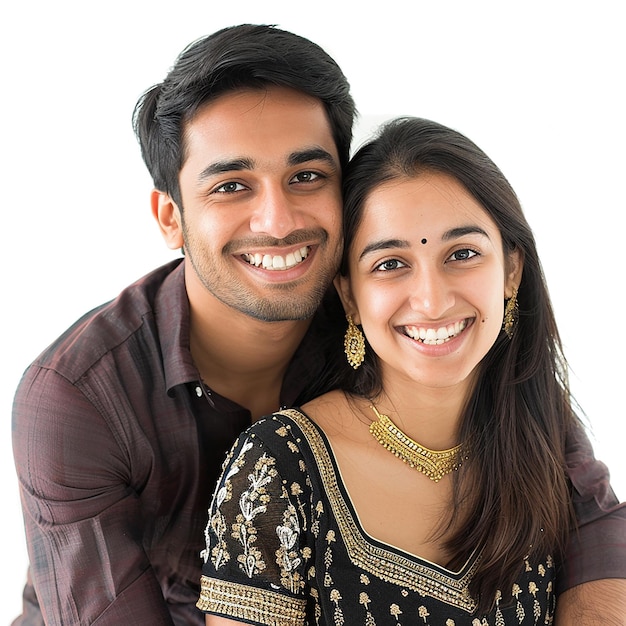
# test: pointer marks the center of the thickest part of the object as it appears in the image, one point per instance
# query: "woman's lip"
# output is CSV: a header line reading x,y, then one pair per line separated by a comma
x,y
436,335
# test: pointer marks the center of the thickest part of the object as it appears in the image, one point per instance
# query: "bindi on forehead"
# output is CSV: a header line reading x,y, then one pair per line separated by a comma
x,y
424,241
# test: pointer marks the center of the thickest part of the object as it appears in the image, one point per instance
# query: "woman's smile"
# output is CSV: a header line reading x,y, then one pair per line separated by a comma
x,y
436,336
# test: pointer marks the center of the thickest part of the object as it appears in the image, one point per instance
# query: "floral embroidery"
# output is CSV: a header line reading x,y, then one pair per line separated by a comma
x,y
519,609
287,555
364,599
217,522
499,616
252,502
335,596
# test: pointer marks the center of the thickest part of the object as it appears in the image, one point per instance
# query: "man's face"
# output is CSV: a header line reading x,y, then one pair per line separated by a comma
x,y
261,214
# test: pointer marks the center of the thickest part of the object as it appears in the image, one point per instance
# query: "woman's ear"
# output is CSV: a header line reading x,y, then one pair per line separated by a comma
x,y
168,217
342,285
515,267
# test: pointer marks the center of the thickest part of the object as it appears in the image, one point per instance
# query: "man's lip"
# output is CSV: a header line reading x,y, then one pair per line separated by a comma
x,y
272,261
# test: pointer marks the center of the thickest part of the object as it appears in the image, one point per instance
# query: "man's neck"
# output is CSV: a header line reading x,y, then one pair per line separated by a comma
x,y
242,358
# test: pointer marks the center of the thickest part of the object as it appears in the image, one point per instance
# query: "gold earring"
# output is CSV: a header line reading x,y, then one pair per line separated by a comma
x,y
354,344
511,313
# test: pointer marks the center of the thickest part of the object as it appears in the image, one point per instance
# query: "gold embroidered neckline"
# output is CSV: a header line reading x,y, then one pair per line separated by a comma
x,y
432,463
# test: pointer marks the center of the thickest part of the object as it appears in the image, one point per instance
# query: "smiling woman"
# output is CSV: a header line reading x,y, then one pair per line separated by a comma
x,y
446,295
431,482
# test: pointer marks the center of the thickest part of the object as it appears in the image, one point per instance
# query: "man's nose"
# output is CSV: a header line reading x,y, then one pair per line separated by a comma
x,y
276,214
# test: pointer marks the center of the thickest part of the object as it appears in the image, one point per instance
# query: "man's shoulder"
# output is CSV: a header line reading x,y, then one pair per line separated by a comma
x,y
108,326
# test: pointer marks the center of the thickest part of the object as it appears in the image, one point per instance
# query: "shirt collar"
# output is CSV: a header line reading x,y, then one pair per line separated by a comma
x,y
173,319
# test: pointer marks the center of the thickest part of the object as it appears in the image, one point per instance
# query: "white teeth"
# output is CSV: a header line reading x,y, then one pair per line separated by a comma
x,y
435,336
277,262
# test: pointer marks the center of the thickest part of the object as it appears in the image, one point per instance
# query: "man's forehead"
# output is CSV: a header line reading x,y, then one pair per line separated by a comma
x,y
246,128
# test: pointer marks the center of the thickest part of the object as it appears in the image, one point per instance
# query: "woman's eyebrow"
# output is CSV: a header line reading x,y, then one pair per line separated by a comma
x,y
461,231
383,244
452,233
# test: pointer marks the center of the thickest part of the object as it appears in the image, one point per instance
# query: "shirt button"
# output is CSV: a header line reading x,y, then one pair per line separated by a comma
x,y
199,391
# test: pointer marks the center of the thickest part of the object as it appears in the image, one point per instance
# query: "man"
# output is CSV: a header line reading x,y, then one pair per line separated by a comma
x,y
120,427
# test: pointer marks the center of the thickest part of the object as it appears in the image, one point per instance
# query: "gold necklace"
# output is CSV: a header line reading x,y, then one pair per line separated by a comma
x,y
432,463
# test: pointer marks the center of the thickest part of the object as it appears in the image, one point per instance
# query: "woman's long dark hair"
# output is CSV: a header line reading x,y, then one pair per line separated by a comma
x,y
513,486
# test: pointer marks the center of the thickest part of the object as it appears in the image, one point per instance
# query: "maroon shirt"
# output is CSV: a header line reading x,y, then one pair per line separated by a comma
x,y
118,446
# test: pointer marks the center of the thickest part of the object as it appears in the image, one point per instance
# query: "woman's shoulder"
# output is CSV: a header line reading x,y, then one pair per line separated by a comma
x,y
287,434
284,425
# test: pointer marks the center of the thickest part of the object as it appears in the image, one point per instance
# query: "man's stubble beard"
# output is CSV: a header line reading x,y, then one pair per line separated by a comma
x,y
285,306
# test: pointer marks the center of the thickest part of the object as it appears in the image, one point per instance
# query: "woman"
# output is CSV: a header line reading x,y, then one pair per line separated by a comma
x,y
429,487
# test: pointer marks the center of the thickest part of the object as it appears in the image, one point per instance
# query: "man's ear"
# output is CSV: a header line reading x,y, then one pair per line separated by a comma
x,y
168,217
342,285
515,267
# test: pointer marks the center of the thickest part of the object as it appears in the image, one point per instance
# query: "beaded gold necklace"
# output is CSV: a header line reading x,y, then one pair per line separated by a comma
x,y
432,463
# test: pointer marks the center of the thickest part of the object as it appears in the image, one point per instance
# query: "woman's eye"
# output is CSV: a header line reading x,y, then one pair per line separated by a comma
x,y
391,264
305,177
230,187
463,255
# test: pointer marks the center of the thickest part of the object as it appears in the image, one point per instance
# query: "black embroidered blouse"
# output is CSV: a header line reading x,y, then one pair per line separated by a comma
x,y
285,547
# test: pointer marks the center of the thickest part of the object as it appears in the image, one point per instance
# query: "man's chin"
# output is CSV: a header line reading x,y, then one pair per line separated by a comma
x,y
287,309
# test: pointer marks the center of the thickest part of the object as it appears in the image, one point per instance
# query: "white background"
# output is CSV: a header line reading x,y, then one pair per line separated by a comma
x,y
538,85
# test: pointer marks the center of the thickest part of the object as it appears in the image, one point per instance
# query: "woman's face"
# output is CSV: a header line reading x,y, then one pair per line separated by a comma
x,y
428,279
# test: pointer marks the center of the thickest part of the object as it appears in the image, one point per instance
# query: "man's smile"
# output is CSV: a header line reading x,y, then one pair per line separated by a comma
x,y
277,261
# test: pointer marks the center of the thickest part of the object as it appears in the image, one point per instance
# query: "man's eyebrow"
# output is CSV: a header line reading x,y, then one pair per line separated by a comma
x,y
311,154
295,158
227,165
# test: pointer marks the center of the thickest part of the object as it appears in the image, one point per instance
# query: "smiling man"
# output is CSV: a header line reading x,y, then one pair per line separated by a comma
x,y
121,426
259,219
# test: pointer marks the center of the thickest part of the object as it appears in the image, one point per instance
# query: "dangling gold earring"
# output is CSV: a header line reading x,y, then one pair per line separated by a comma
x,y
511,313
354,344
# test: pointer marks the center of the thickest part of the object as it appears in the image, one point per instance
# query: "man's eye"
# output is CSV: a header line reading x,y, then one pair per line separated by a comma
x,y
463,255
231,187
305,177
391,264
